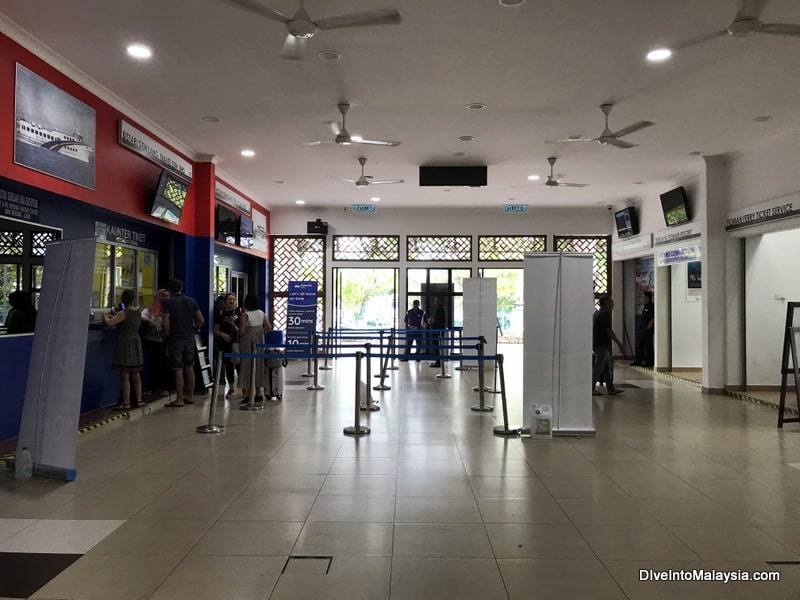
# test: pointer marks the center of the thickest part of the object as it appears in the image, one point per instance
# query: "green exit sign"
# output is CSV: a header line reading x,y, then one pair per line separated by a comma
x,y
364,208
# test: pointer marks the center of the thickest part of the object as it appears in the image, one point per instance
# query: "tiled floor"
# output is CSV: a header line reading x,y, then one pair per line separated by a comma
x,y
429,505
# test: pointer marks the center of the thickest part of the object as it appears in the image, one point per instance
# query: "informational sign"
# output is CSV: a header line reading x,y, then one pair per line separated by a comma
x,y
515,208
635,245
773,210
259,231
676,256
674,235
141,143
364,208
225,194
19,206
119,234
301,314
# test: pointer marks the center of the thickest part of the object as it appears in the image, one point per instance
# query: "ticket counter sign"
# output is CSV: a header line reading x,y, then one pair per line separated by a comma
x,y
301,315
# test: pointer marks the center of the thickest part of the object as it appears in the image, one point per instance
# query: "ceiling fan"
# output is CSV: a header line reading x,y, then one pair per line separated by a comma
x,y
553,182
301,28
367,180
747,22
343,137
608,136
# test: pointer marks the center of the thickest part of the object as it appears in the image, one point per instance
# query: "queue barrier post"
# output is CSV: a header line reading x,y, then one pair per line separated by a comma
x,y
384,364
481,406
368,404
315,386
357,428
211,427
481,387
325,366
308,372
380,351
392,350
504,429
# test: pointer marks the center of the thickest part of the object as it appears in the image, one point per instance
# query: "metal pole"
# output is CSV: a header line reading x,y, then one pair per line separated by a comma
x,y
308,372
368,405
383,386
357,428
481,387
251,405
482,407
504,429
315,385
325,366
442,374
211,428
392,350
380,351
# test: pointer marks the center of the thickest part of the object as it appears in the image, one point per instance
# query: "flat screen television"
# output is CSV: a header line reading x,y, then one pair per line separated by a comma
x,y
627,224
226,225
675,207
245,232
170,198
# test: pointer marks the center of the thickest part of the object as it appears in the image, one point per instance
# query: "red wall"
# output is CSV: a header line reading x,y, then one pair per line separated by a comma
x,y
125,182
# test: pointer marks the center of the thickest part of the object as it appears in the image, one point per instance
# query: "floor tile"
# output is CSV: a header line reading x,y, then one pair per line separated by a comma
x,y
345,539
274,507
445,579
24,573
537,541
438,540
9,527
521,510
59,536
545,579
437,509
248,538
606,511
348,578
627,542
153,537
733,543
375,509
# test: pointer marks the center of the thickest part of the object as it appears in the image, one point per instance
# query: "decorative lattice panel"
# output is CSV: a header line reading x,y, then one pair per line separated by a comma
x,y
509,247
598,247
439,247
366,247
11,243
39,239
296,258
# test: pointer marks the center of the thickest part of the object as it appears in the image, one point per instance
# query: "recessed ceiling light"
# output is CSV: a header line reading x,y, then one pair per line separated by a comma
x,y
211,119
511,3
476,106
638,182
763,118
466,138
695,153
329,55
659,54
533,177
299,201
139,51
278,181
248,153
375,199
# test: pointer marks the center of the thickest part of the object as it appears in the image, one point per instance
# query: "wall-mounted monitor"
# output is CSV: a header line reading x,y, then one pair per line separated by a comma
x,y
675,206
245,232
170,198
627,223
226,225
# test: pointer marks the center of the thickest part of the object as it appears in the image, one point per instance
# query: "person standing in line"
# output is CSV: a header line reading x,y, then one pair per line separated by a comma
x,y
182,318
414,320
644,340
154,347
226,331
602,336
22,316
128,355
252,326
437,321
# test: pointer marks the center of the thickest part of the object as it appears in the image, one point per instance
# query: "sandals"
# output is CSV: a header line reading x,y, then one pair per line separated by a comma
x,y
121,407
174,404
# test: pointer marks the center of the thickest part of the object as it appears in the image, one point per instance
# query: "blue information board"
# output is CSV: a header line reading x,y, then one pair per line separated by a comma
x,y
301,314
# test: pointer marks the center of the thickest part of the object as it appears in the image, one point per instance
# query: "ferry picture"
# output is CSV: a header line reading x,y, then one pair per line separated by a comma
x,y
54,133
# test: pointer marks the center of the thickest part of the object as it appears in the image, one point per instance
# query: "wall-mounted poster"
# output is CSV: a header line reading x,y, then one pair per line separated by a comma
x,y
694,279
54,133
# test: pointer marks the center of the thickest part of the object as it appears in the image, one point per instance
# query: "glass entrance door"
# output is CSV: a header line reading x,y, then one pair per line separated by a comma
x,y
364,298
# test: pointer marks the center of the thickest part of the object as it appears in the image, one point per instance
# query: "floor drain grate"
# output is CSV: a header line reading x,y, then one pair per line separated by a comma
x,y
307,565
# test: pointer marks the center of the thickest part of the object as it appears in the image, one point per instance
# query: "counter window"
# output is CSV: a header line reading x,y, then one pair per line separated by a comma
x,y
117,268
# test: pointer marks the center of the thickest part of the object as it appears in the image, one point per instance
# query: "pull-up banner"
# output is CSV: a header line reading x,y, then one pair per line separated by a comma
x,y
301,314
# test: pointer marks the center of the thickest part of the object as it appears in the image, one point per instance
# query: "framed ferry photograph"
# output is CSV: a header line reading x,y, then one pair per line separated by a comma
x,y
54,133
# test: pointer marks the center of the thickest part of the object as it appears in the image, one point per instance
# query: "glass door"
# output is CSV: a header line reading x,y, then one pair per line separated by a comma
x,y
365,298
509,301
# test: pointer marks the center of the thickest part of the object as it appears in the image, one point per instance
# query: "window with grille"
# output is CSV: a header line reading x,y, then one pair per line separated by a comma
x,y
39,239
296,258
11,243
366,247
598,246
439,247
509,247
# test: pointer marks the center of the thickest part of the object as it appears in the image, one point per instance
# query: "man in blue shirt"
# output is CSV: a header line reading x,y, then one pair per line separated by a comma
x,y
602,336
182,317
415,320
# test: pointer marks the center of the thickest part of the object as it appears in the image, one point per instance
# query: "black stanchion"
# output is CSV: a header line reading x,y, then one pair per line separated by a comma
x,y
357,428
211,427
384,363
308,372
392,350
504,429
325,366
368,404
482,406
315,348
251,404
380,352
481,387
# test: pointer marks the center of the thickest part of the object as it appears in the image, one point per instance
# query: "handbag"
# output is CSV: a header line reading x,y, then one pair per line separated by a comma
x,y
235,350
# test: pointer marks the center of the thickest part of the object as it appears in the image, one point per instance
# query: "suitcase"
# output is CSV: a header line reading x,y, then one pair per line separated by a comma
x,y
274,388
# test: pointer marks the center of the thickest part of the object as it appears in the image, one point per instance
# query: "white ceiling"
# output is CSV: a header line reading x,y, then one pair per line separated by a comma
x,y
542,69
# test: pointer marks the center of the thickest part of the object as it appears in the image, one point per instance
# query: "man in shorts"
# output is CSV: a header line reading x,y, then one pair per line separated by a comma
x,y
182,318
